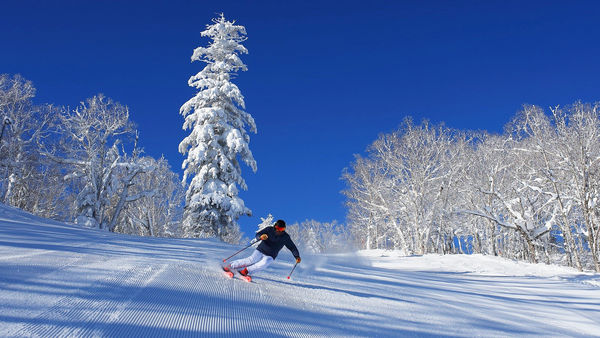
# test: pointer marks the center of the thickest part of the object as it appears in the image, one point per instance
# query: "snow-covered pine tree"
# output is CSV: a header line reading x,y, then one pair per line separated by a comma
x,y
218,122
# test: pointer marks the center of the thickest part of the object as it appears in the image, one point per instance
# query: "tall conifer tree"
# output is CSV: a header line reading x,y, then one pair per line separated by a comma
x,y
218,136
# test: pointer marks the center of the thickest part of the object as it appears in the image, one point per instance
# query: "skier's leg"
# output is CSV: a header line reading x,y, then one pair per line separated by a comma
x,y
244,262
261,264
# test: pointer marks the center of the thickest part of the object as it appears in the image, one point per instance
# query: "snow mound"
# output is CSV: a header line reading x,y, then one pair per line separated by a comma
x,y
480,264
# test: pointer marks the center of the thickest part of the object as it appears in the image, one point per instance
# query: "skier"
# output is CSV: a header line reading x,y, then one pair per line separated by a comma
x,y
273,239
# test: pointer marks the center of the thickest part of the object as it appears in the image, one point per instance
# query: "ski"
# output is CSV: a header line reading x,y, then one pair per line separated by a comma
x,y
227,271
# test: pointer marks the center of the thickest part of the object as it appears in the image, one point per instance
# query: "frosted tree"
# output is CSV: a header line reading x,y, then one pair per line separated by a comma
x,y
318,237
539,139
158,203
577,157
19,128
218,138
91,150
488,172
24,179
373,216
407,182
266,222
531,193
126,180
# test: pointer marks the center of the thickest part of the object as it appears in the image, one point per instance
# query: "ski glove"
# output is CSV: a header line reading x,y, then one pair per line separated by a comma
x,y
263,237
298,260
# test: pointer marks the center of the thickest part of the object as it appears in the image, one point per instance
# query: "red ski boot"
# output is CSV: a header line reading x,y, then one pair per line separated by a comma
x,y
228,271
245,275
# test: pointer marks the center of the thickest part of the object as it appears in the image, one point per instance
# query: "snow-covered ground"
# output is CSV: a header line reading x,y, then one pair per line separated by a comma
x,y
61,280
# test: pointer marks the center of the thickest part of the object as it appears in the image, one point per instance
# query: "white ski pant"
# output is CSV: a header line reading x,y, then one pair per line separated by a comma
x,y
256,262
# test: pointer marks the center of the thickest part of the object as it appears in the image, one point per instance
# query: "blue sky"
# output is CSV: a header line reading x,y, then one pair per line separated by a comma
x,y
324,77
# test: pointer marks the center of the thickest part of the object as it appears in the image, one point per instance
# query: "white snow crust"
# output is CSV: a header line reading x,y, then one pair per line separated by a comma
x,y
61,280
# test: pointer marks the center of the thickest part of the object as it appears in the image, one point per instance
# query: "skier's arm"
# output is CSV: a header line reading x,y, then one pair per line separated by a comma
x,y
292,247
260,233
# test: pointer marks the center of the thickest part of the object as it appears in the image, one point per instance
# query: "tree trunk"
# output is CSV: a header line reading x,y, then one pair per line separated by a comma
x,y
119,207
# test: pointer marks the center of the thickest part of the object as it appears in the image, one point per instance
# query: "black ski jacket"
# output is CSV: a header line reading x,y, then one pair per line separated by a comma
x,y
274,243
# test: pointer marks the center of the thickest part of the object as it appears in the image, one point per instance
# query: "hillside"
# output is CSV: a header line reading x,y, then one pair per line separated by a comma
x,y
60,280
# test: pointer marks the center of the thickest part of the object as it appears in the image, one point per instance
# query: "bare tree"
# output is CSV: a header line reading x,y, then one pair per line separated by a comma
x,y
531,193
156,203
407,184
320,237
91,149
372,217
23,126
577,154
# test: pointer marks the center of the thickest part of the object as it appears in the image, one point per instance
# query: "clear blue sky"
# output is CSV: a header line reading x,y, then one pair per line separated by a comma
x,y
324,79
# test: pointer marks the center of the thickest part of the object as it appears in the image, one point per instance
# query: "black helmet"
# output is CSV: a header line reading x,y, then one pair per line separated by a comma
x,y
280,223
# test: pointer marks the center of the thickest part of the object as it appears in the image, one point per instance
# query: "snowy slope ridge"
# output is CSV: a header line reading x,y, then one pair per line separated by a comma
x,y
61,280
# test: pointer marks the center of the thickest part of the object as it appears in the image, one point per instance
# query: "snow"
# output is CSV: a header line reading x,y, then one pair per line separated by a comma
x,y
61,280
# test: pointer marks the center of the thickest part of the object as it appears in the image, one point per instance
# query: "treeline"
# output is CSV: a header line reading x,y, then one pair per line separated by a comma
x,y
530,193
83,165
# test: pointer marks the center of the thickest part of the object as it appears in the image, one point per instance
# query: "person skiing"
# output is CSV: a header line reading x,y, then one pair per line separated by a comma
x,y
272,238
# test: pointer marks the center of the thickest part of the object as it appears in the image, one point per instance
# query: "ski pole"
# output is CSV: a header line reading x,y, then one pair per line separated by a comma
x,y
294,268
244,248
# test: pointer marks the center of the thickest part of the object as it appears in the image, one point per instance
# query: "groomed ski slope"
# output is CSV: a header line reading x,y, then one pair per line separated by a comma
x,y
61,280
